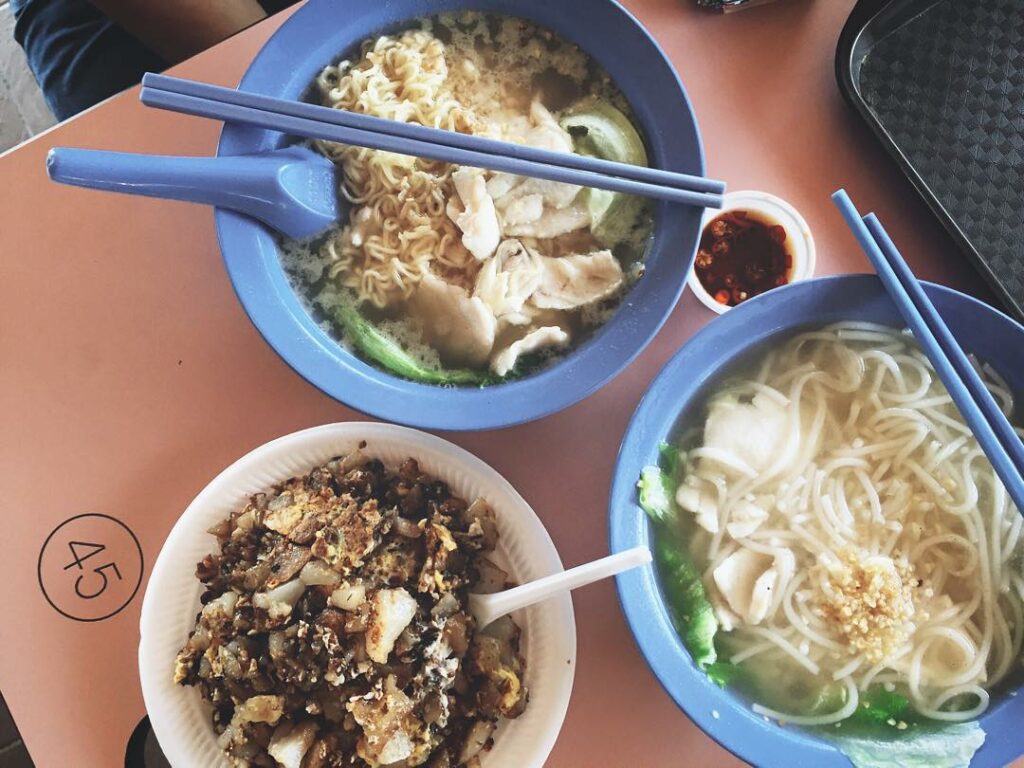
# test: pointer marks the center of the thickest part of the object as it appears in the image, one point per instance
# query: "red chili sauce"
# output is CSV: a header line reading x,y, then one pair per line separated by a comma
x,y
741,254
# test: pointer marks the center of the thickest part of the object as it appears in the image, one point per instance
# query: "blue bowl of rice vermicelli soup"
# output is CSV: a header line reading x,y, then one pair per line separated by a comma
x,y
450,297
838,571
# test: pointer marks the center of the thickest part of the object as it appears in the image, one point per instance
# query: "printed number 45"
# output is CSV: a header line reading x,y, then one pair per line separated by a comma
x,y
90,550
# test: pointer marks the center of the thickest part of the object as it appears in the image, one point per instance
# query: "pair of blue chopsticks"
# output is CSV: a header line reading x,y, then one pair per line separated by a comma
x,y
317,122
995,435
1003,447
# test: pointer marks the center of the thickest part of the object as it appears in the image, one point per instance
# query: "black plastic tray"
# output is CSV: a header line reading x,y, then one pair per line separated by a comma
x,y
941,84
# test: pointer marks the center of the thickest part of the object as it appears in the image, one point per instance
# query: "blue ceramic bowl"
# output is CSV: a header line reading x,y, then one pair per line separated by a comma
x,y
318,34
675,396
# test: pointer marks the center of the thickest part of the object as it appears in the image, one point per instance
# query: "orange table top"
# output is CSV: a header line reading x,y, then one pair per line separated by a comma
x,y
131,375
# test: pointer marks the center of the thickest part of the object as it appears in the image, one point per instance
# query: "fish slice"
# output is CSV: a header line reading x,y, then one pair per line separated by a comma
x,y
292,190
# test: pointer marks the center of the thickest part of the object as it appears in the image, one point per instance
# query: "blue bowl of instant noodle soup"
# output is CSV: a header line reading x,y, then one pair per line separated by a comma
x,y
317,35
671,403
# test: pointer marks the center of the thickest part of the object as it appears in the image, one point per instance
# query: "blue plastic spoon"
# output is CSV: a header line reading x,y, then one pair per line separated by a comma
x,y
293,190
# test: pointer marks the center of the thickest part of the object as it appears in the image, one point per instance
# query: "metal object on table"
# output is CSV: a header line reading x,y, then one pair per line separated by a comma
x,y
728,6
941,84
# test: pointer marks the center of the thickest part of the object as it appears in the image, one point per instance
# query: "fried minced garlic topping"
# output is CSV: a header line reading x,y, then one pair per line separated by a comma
x,y
869,602
335,628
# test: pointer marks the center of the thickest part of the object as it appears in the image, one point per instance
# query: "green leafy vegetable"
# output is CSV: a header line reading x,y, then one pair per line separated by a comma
x,y
384,351
655,494
669,459
657,485
603,131
879,706
725,674
951,745
691,611
721,673
692,615
884,731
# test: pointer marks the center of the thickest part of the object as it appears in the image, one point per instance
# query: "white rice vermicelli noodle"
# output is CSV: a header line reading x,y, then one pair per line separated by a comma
x,y
879,545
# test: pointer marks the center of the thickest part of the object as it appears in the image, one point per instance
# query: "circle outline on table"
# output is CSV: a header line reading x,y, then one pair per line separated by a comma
x,y
135,589
252,262
682,385
549,627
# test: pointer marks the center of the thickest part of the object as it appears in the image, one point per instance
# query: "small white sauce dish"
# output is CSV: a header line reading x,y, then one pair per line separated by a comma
x,y
798,238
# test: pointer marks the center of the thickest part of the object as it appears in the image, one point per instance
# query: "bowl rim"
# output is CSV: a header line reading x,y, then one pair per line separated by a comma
x,y
275,310
721,715
252,472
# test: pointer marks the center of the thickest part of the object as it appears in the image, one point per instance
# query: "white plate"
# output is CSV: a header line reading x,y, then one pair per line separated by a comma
x,y
181,720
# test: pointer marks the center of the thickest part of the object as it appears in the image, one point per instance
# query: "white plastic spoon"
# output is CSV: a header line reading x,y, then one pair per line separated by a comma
x,y
487,608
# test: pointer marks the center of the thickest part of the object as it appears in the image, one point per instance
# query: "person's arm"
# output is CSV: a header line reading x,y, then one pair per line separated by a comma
x,y
177,29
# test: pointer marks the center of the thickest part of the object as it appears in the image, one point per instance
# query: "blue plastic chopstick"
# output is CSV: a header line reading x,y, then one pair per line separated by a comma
x,y
993,413
995,434
316,129
424,133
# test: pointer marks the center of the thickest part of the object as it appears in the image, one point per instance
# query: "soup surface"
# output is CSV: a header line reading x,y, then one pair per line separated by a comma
x,y
833,542
456,275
